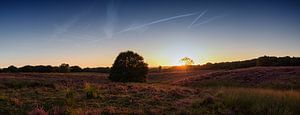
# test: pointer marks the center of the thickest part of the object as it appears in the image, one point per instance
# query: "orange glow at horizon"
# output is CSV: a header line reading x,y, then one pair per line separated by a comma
x,y
170,55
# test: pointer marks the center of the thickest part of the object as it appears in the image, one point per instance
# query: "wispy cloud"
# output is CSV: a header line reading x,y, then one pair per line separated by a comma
x,y
111,18
60,29
110,24
196,19
65,33
67,26
81,36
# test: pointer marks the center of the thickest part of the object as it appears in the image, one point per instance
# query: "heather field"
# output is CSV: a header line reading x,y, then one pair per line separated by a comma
x,y
259,90
149,57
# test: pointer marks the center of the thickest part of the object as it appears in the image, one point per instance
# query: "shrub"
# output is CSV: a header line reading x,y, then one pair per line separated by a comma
x,y
90,91
70,97
38,111
129,67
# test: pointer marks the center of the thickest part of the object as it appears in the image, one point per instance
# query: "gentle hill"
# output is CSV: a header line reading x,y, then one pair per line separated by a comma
x,y
272,77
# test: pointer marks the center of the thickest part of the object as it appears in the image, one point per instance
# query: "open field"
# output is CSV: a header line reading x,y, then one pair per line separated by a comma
x,y
259,77
260,90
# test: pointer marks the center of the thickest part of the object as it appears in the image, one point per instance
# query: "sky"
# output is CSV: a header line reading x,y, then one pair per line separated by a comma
x,y
91,33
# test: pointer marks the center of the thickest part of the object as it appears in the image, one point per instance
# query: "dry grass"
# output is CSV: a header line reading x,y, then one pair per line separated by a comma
x,y
267,77
261,101
252,101
91,93
83,93
169,77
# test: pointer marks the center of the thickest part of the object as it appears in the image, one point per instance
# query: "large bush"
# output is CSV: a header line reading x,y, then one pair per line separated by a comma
x,y
12,69
129,67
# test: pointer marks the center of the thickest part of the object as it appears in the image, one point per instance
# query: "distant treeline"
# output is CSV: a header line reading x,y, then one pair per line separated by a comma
x,y
63,68
261,61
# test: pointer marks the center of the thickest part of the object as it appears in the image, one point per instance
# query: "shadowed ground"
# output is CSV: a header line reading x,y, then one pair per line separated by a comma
x,y
260,90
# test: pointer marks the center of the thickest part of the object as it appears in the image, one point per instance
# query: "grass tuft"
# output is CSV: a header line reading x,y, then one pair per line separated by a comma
x,y
90,91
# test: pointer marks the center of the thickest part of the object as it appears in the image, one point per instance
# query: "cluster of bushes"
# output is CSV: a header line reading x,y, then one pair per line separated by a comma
x,y
278,61
63,68
261,61
230,65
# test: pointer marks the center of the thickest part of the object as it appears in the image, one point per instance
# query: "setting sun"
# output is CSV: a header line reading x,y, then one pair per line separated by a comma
x,y
179,63
174,52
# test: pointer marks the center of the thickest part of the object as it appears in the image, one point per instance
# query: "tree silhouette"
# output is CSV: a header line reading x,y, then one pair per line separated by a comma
x,y
12,69
159,68
64,68
187,61
75,69
129,67
26,68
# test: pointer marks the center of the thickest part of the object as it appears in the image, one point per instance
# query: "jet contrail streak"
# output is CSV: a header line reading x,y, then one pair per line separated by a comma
x,y
209,20
155,22
203,13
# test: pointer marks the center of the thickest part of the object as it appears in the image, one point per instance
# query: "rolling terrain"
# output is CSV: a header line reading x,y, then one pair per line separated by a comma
x,y
266,77
258,90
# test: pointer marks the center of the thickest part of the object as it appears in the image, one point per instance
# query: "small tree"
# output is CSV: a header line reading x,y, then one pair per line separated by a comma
x,y
159,68
129,67
187,61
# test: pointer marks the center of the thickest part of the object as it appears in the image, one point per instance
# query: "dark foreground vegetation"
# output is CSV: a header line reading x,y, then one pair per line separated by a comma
x,y
261,61
259,90
129,67
63,68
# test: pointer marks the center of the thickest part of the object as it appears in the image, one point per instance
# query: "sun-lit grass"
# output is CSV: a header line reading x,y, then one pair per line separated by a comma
x,y
251,101
261,101
271,77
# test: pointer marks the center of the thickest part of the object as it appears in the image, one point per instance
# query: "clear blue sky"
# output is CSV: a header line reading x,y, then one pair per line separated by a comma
x,y
93,32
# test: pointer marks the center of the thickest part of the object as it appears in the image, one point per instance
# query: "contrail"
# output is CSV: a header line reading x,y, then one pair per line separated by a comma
x,y
65,28
111,18
209,20
155,22
80,35
203,13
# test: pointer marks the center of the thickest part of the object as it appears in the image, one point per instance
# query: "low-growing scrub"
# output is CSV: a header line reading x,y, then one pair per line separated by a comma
x,y
18,84
70,97
242,101
261,101
91,92
284,78
38,111
86,93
